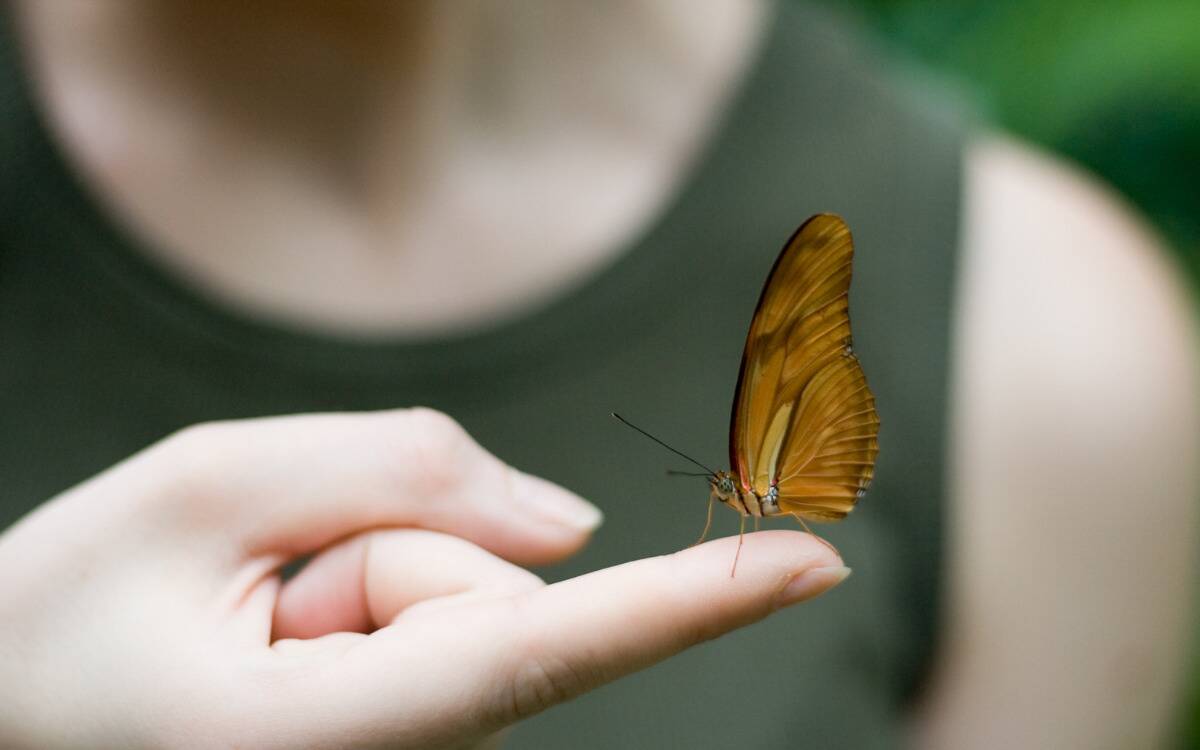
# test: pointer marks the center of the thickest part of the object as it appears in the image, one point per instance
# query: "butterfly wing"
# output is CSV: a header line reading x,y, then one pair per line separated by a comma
x,y
804,418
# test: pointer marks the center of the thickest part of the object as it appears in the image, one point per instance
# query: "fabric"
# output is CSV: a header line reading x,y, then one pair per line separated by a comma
x,y
102,352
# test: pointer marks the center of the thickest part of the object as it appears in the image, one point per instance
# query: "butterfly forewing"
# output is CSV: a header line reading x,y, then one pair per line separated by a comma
x,y
803,418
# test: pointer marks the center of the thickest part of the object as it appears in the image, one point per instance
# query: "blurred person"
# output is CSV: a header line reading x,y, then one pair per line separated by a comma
x,y
523,216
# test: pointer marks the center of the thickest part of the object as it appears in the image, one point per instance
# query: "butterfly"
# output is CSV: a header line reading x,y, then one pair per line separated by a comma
x,y
803,433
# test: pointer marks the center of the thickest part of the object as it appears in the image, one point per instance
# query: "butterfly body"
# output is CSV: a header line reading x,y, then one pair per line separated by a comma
x,y
725,489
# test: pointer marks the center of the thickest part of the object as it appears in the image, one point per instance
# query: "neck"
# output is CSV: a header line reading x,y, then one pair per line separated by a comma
x,y
392,141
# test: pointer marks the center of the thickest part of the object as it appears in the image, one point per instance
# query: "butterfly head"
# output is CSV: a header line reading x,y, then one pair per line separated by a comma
x,y
727,489
724,487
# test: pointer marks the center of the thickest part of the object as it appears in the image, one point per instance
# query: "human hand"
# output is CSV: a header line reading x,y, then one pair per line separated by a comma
x,y
144,607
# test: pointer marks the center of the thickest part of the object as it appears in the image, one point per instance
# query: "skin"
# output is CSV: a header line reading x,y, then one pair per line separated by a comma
x,y
1074,414
164,572
1074,432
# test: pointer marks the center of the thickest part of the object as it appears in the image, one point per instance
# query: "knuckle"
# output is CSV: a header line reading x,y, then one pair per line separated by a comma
x,y
435,445
539,682
188,446
436,429
693,632
513,582
193,446
524,581
189,461
540,675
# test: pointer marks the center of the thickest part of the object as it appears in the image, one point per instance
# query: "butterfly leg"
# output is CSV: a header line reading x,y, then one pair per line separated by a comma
x,y
814,536
736,555
707,523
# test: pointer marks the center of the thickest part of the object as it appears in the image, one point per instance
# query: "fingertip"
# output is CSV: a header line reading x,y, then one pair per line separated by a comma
x,y
538,544
811,583
521,518
549,503
772,569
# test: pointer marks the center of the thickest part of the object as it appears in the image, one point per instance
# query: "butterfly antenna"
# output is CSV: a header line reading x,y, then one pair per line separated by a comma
x,y
627,423
677,473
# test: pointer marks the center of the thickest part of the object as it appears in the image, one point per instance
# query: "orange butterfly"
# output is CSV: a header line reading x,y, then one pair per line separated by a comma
x,y
803,435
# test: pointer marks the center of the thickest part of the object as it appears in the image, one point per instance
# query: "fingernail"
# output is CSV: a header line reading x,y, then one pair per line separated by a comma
x,y
551,503
810,583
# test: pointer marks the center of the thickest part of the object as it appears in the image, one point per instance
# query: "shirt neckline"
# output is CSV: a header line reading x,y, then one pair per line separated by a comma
x,y
66,205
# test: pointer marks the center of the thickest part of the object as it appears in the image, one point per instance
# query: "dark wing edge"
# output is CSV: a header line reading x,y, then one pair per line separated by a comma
x,y
737,459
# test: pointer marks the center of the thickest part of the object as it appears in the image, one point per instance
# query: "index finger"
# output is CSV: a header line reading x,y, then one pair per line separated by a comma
x,y
514,657
579,634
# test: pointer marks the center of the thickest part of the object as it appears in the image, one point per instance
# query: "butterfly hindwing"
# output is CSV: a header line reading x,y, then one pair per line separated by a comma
x,y
804,418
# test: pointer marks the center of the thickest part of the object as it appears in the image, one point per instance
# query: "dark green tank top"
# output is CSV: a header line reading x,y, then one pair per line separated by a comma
x,y
102,353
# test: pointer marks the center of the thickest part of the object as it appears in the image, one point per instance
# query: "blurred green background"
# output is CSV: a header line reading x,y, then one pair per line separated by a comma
x,y
1112,84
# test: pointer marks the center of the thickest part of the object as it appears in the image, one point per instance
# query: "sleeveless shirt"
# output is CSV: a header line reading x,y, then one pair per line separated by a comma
x,y
102,352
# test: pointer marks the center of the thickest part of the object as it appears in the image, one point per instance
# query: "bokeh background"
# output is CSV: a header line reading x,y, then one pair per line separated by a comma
x,y
1112,84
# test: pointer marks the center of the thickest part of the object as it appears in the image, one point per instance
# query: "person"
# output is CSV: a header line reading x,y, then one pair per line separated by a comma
x,y
220,219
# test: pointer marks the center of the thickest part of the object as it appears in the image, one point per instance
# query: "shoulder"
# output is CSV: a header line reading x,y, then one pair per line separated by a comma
x,y
1075,425
1071,312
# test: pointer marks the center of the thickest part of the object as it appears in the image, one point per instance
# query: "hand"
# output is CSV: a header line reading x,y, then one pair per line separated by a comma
x,y
145,608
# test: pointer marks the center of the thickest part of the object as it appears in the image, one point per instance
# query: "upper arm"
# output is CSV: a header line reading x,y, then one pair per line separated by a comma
x,y
1075,432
